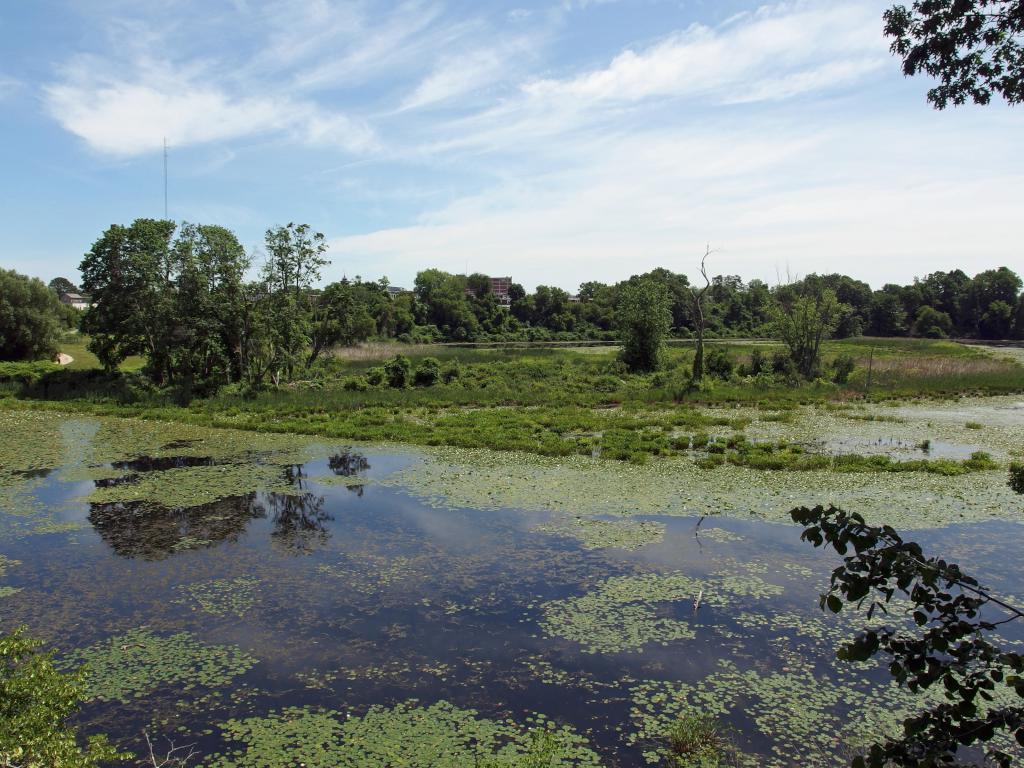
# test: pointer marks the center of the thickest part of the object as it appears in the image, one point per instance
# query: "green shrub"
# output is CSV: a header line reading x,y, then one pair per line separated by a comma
x,y
1017,476
355,384
451,372
26,372
428,372
758,364
375,376
718,363
842,367
398,372
36,701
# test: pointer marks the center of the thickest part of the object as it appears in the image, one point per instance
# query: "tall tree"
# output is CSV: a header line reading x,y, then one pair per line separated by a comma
x,y
128,272
643,320
340,318
30,318
295,258
210,265
804,319
973,47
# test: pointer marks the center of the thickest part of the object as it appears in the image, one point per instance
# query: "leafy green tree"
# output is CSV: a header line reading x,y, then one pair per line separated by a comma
x,y
443,302
1018,319
295,258
954,644
128,272
930,323
30,318
947,292
61,285
997,322
36,701
973,47
643,320
210,302
340,318
986,288
888,318
802,321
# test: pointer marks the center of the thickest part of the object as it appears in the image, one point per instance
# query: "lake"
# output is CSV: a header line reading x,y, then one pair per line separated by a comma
x,y
279,601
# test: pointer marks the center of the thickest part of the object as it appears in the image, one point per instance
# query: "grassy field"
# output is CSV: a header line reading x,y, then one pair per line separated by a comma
x,y
74,345
556,402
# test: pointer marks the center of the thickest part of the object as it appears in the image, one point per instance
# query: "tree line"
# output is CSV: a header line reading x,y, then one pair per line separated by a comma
x,y
196,306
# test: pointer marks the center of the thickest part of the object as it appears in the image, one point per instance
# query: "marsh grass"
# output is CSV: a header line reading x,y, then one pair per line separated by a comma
x,y
546,401
697,741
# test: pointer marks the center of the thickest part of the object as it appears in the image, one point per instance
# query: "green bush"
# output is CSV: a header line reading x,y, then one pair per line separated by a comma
x,y
26,373
398,372
451,372
842,367
428,372
718,363
375,376
1017,476
36,702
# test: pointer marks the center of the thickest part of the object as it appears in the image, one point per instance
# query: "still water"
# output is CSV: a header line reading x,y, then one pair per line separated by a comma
x,y
343,594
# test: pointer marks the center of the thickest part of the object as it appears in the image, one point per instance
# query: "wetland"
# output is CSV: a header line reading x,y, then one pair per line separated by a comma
x,y
283,599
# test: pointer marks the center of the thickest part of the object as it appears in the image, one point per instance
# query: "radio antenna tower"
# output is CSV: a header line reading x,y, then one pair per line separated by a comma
x,y
165,178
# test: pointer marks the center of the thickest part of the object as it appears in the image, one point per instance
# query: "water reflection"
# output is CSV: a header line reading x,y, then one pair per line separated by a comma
x,y
154,532
349,464
300,522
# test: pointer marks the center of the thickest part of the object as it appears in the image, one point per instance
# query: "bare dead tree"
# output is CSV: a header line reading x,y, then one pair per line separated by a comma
x,y
176,757
698,303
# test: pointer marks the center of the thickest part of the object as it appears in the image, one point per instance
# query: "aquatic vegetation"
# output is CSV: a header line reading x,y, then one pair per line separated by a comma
x,y
8,591
718,535
621,613
585,486
600,534
194,486
697,741
440,735
221,597
5,563
370,574
139,661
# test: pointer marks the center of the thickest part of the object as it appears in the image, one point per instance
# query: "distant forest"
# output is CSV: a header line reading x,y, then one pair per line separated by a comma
x,y
443,307
940,305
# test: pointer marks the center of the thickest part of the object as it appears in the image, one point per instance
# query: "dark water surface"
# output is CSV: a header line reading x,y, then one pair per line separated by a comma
x,y
362,594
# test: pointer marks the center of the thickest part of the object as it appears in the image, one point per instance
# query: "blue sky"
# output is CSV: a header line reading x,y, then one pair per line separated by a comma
x,y
556,141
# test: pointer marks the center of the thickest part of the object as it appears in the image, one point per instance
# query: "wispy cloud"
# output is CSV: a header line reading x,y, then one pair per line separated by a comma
x,y
779,51
127,115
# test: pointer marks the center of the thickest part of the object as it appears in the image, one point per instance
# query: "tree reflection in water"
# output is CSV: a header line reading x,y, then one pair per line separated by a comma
x,y
154,532
300,522
349,464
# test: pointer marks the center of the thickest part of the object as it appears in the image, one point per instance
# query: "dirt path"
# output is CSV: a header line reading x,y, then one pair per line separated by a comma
x,y
63,359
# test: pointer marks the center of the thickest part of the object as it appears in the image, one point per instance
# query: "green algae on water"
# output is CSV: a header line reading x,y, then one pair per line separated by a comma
x,y
440,735
132,665
221,597
602,534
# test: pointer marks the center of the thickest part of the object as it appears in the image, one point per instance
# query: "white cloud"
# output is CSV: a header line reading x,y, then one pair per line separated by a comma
x,y
456,77
810,46
130,115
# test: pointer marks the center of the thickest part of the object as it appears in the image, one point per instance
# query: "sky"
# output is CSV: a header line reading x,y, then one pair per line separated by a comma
x,y
556,141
